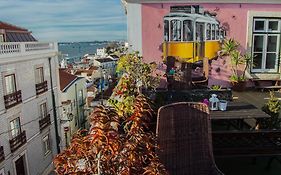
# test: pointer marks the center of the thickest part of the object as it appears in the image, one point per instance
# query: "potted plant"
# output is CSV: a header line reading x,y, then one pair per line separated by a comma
x,y
239,64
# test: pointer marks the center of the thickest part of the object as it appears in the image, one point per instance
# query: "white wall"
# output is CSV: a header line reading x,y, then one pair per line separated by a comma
x,y
134,26
28,111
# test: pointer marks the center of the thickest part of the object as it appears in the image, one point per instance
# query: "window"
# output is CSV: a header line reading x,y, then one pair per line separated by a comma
x,y
213,32
39,75
175,30
46,144
217,32
265,47
1,40
43,110
187,30
208,32
10,84
15,127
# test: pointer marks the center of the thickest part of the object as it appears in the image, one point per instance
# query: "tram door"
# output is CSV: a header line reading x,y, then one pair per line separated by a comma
x,y
200,32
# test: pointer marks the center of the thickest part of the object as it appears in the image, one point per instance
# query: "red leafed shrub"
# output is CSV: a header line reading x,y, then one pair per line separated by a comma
x,y
113,147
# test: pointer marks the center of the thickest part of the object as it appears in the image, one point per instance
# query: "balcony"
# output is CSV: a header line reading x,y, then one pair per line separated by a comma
x,y
41,87
11,51
12,99
2,155
18,141
44,122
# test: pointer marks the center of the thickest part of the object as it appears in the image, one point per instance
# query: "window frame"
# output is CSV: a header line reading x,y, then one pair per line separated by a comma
x,y
14,84
43,114
1,40
18,128
39,75
265,34
46,144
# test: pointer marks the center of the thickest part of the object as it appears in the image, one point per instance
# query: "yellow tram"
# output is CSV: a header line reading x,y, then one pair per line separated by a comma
x,y
190,34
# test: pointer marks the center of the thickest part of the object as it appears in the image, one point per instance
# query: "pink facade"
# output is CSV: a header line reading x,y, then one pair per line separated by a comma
x,y
234,17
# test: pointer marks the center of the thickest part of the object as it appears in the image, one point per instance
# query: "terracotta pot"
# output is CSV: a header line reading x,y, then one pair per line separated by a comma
x,y
239,86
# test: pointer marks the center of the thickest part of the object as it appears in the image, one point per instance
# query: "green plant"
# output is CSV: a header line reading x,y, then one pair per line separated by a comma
x,y
272,107
215,87
230,49
229,46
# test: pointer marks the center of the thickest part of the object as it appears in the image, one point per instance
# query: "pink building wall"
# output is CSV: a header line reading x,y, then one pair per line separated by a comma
x,y
232,16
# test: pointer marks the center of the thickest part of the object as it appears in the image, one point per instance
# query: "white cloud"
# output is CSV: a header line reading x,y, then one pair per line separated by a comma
x,y
67,20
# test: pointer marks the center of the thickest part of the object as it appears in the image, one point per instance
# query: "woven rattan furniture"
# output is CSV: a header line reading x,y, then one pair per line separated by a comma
x,y
184,137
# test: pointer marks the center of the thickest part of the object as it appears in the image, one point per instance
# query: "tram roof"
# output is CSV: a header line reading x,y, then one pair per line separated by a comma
x,y
194,16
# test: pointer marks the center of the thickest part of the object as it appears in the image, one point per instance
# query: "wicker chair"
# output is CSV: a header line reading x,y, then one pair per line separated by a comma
x,y
184,137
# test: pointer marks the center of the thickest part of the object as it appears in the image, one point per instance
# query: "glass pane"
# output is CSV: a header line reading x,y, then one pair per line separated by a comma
x,y
213,32
217,32
166,30
10,84
270,60
187,30
208,32
271,43
176,30
39,75
15,127
257,60
259,25
258,43
272,25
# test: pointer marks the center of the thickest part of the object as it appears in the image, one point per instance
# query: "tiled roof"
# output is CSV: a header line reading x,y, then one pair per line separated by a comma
x,y
15,34
7,26
65,79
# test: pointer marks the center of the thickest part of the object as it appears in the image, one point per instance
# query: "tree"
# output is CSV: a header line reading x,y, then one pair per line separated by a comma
x,y
119,141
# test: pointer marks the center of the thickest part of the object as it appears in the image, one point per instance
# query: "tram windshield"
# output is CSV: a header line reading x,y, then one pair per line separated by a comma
x,y
175,30
187,30
166,30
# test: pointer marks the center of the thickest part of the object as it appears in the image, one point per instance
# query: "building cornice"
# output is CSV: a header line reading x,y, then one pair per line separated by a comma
x,y
206,1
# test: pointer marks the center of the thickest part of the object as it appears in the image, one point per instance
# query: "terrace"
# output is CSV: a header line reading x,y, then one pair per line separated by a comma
x,y
252,153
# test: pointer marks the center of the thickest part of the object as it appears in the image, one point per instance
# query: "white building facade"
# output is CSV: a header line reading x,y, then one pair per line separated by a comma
x,y
72,112
27,127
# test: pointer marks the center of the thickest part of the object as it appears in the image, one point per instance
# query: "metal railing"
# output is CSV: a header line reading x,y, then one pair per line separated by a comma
x,y
44,122
41,87
17,141
12,99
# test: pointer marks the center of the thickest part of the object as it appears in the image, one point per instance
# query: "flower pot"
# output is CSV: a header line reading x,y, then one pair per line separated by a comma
x,y
239,86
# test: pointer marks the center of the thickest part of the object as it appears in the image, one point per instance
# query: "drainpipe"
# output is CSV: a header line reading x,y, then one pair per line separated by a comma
x,y
54,109
77,106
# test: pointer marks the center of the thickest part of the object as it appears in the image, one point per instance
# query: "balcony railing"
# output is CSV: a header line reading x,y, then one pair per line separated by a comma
x,y
14,49
44,122
2,155
12,99
41,87
18,141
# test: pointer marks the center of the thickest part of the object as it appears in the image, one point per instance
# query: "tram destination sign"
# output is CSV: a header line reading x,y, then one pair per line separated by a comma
x,y
187,9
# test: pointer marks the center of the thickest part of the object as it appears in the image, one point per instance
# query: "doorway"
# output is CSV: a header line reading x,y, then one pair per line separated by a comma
x,y
20,166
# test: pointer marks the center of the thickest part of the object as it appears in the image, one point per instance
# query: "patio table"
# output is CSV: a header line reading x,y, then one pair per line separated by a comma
x,y
238,111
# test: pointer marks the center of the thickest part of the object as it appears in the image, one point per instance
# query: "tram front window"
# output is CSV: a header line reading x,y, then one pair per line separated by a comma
x,y
175,30
208,32
213,32
166,30
187,30
217,32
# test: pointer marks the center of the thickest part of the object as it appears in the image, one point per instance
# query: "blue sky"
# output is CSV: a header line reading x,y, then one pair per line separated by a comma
x,y
67,20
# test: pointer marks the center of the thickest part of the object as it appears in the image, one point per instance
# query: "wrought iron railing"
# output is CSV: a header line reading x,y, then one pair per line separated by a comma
x,y
12,99
41,87
44,122
2,155
17,141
